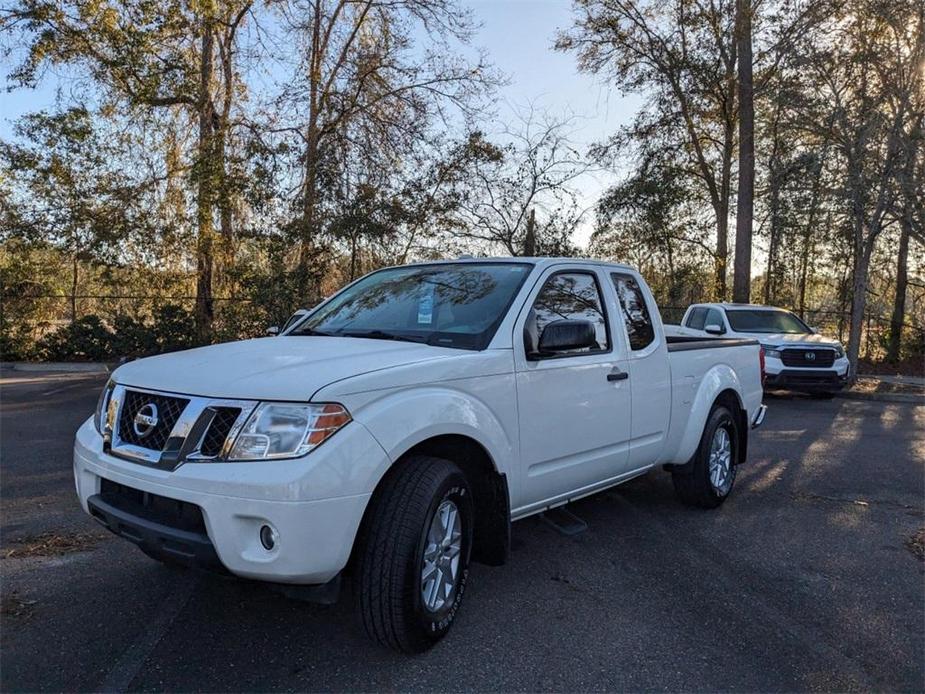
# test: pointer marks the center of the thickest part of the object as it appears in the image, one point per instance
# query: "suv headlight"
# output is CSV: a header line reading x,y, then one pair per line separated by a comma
x,y
839,351
287,430
771,351
101,416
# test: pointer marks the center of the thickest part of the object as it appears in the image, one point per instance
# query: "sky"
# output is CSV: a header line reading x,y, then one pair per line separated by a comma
x,y
518,36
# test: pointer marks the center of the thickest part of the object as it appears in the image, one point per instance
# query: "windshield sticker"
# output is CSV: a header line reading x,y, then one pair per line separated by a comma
x,y
426,307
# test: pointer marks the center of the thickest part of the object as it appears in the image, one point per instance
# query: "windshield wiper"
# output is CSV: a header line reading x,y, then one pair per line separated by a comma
x,y
381,335
311,332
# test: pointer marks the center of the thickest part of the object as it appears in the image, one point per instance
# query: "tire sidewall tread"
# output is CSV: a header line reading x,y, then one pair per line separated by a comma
x,y
390,550
694,487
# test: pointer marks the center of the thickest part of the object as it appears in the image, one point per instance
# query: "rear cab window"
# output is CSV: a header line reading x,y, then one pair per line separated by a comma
x,y
636,317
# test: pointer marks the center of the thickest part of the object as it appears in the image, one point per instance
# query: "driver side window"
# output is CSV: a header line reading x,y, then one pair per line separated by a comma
x,y
566,296
715,318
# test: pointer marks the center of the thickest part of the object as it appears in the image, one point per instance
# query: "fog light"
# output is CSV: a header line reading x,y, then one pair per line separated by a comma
x,y
267,537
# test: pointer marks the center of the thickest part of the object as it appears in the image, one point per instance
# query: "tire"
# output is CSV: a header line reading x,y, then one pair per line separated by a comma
x,y
695,486
413,502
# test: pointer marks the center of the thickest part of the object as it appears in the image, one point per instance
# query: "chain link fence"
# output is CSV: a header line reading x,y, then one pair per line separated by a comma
x,y
30,320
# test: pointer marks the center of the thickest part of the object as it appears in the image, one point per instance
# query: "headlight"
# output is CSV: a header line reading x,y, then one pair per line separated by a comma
x,y
101,416
839,351
287,430
771,351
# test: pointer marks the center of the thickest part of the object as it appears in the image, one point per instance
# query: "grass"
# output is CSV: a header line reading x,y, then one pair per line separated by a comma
x,y
52,545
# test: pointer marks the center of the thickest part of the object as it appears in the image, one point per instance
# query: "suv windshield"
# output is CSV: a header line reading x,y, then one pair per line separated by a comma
x,y
757,321
448,305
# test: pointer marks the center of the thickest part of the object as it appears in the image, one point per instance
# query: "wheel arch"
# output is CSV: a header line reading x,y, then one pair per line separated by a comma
x,y
723,393
491,499
733,401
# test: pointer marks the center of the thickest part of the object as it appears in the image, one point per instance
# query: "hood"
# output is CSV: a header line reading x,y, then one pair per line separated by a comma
x,y
794,339
272,368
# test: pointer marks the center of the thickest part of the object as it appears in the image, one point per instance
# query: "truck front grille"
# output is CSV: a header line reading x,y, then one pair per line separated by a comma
x,y
214,439
167,412
808,357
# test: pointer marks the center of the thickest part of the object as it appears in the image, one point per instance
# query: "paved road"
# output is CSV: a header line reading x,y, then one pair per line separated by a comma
x,y
802,581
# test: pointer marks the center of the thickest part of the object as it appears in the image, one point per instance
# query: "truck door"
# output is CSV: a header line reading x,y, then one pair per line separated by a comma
x,y
650,372
573,406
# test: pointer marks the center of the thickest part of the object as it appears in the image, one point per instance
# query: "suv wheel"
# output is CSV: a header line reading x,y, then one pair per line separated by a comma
x,y
413,558
709,480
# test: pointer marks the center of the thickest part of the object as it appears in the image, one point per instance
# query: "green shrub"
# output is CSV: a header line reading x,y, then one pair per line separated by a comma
x,y
86,339
16,343
133,338
173,328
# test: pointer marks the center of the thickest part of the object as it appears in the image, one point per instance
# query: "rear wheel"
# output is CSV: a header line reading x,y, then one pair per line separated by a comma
x,y
708,482
413,559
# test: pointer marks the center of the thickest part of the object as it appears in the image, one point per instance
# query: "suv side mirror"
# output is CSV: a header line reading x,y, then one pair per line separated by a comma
x,y
565,335
714,329
273,330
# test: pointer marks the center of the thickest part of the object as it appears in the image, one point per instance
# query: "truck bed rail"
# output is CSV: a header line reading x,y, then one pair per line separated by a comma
x,y
682,343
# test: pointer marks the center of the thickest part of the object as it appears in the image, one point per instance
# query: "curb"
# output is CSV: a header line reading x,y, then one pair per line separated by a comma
x,y
914,398
60,367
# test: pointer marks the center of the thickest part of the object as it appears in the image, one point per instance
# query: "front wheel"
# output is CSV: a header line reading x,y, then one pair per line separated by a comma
x,y
413,558
709,480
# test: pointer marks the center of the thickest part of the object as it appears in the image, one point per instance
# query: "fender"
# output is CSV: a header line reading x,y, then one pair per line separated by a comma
x,y
401,419
719,378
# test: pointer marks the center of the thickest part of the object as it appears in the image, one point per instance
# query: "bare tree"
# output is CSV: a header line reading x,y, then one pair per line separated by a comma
x,y
681,55
361,88
867,67
535,171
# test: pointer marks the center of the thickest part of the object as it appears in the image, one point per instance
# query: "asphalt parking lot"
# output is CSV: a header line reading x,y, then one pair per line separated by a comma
x,y
806,579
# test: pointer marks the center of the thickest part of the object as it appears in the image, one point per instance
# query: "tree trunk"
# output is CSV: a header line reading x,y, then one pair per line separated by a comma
x,y
809,237
530,238
899,301
75,270
808,248
206,191
310,186
742,266
353,256
859,300
770,279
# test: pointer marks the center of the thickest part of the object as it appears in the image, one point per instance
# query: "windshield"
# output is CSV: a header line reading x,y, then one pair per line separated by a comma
x,y
757,321
449,305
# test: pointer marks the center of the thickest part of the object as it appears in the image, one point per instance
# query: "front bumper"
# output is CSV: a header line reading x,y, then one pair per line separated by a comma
x,y
160,540
314,535
806,379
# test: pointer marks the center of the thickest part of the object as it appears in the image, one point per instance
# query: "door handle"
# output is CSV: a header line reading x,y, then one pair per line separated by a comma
x,y
617,375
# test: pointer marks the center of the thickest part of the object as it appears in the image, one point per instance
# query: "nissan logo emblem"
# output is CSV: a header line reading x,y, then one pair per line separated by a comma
x,y
145,420
810,356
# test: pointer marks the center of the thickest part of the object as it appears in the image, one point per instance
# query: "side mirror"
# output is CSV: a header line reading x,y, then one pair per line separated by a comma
x,y
273,330
814,330
714,329
565,335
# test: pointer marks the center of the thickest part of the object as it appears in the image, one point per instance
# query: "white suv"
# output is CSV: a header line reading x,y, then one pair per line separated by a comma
x,y
796,356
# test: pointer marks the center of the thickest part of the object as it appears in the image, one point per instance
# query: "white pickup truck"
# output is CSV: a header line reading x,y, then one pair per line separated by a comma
x,y
397,430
